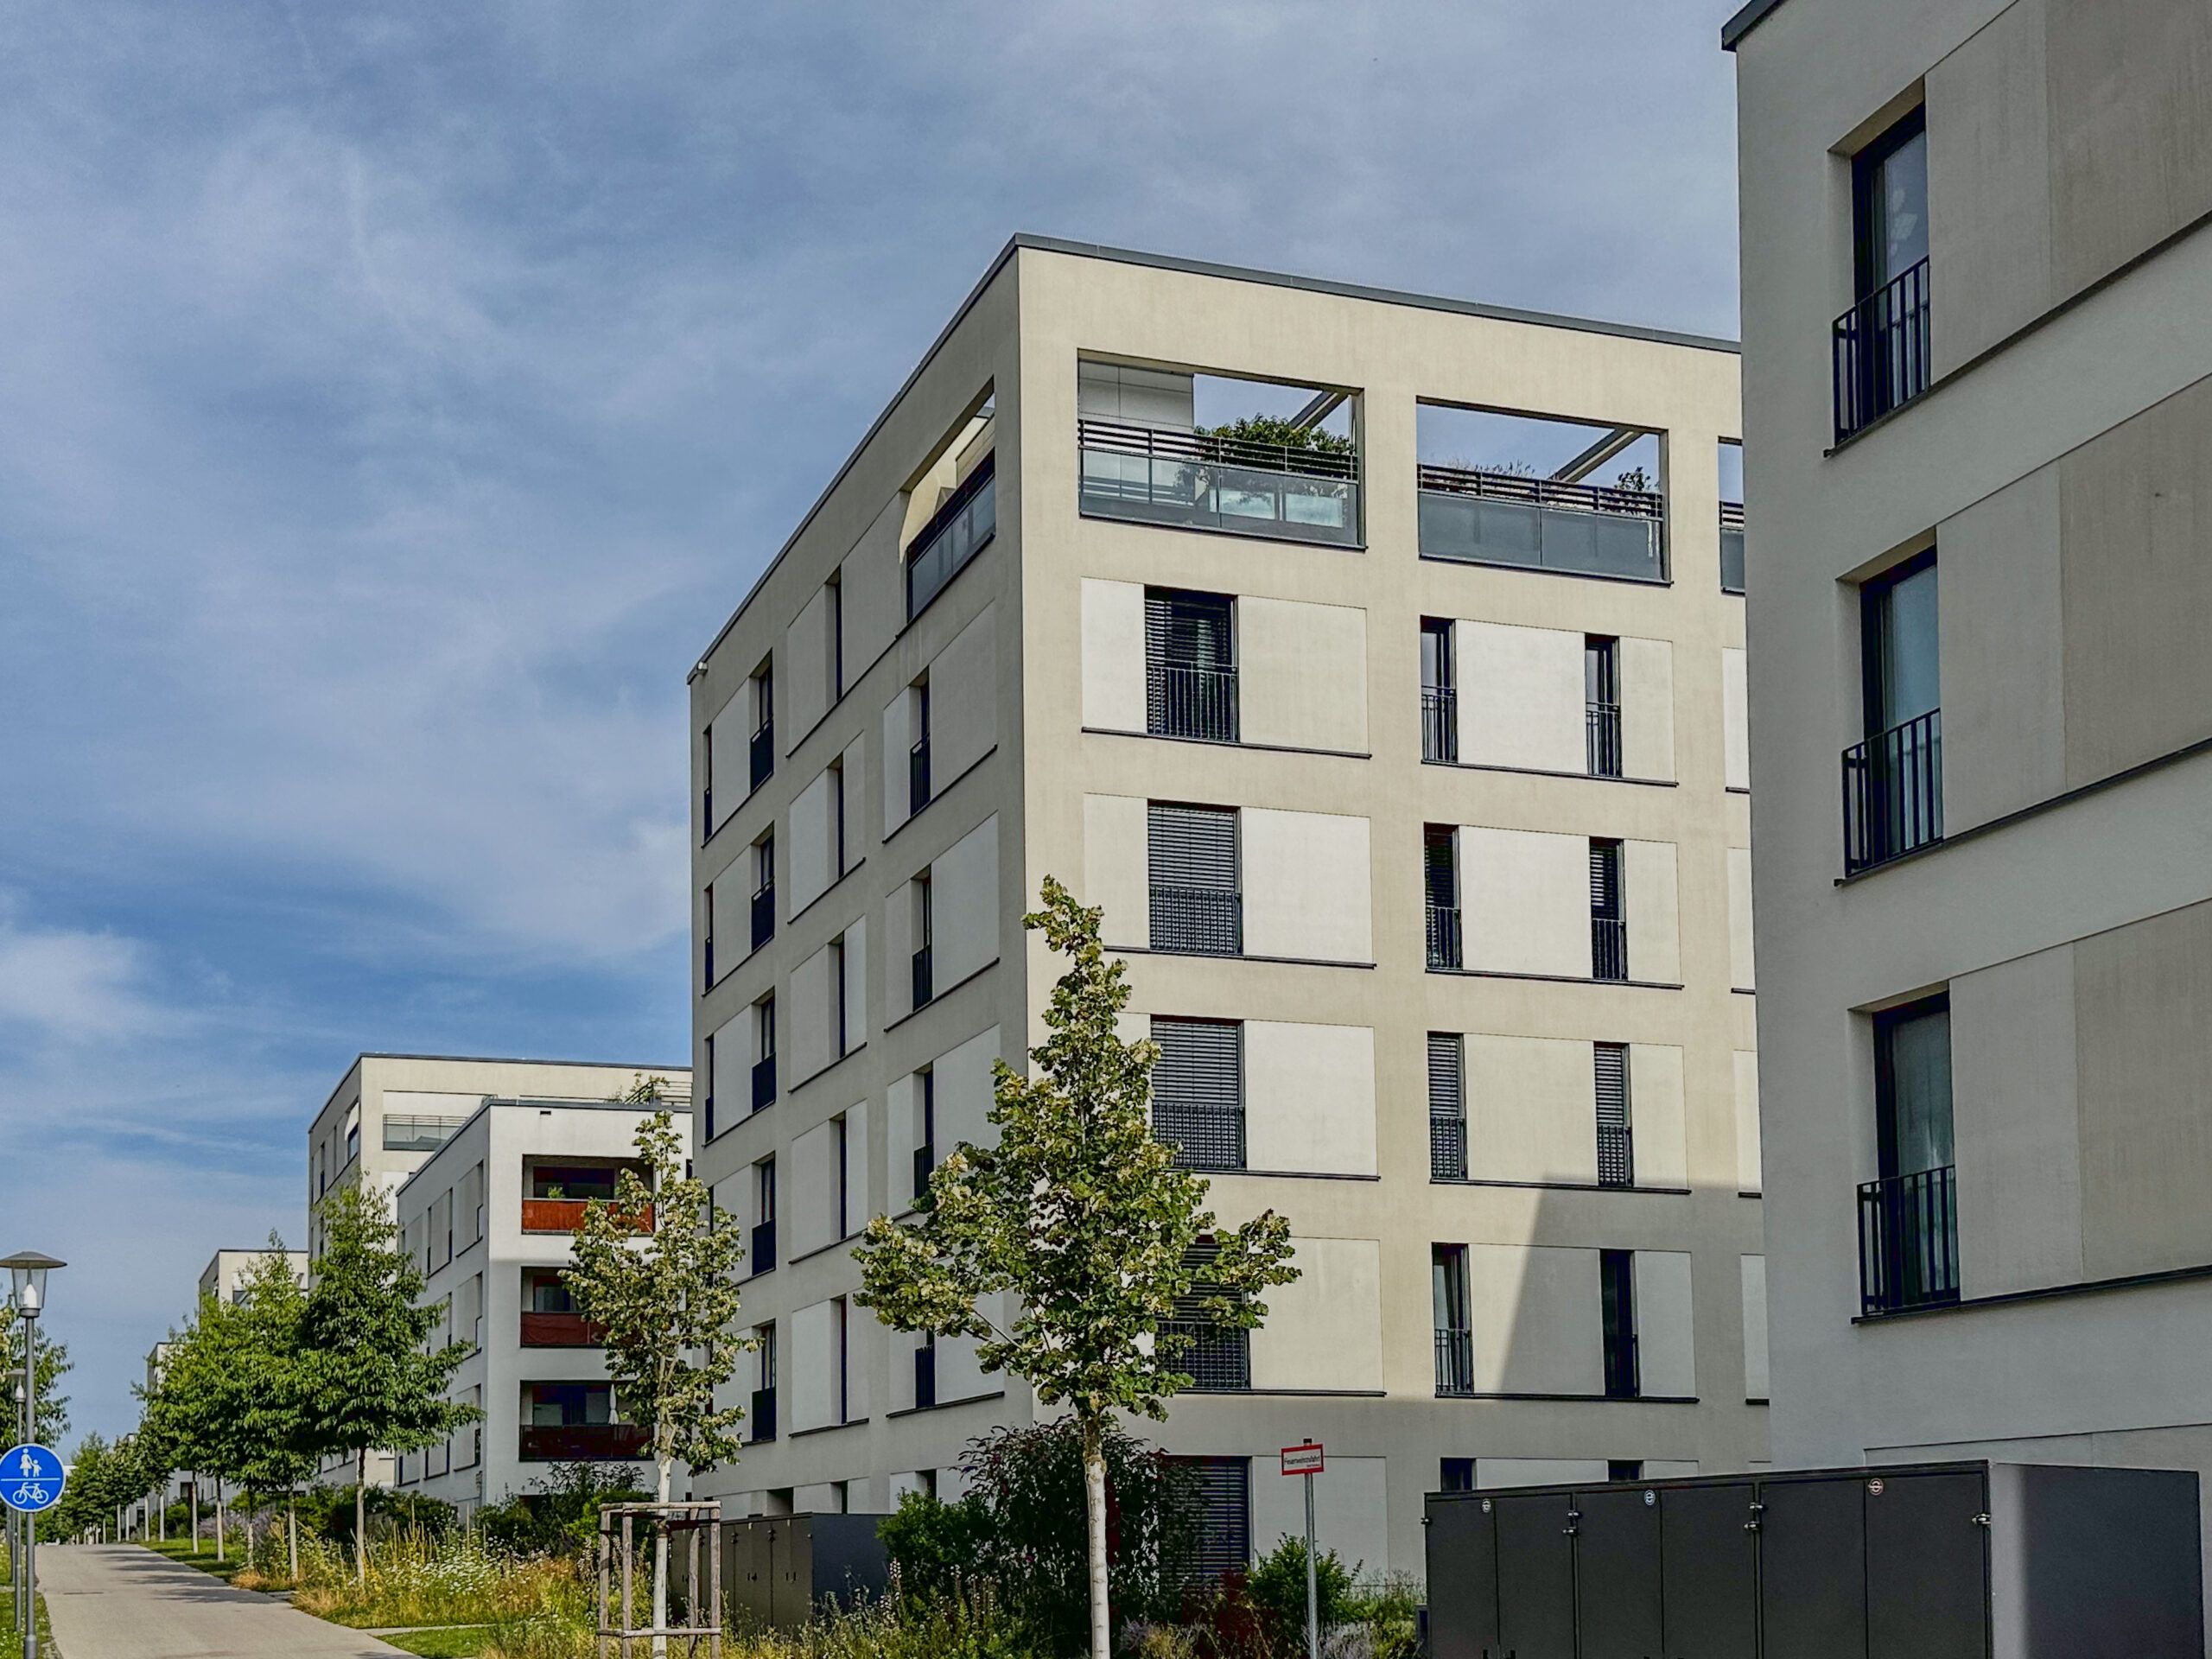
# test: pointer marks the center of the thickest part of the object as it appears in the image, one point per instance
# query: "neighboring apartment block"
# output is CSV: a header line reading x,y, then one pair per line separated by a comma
x,y
489,1218
1375,663
221,1277
1977,329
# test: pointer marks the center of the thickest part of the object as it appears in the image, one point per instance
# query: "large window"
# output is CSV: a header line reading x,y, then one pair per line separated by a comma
x,y
1608,912
1455,1341
958,531
1196,907
1616,1139
1189,649
1440,864
1893,780
1224,1496
1601,699
1198,1091
1617,1287
1447,1107
1216,1357
1881,345
1908,1251
1440,695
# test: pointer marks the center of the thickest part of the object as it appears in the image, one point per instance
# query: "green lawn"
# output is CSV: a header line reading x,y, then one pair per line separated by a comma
x,y
180,1549
451,1642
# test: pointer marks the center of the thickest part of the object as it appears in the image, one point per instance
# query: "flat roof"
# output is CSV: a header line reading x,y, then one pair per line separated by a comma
x,y
1745,21
644,1108
331,1099
1022,239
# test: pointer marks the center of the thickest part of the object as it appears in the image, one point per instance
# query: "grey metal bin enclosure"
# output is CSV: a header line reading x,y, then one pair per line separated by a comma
x,y
779,1570
1955,1560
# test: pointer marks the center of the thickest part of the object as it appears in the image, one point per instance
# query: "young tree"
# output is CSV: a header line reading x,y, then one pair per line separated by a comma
x,y
53,1365
277,1450
1082,1215
658,1276
367,1381
190,1417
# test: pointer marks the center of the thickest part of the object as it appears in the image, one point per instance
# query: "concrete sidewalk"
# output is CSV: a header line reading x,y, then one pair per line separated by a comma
x,y
123,1601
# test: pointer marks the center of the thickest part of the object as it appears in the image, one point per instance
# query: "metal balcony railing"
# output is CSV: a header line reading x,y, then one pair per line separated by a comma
x,y
763,1416
566,1215
1447,1148
764,913
958,531
560,1330
1893,792
1185,700
925,977
761,1258
1160,475
1616,1155
1731,547
1455,1362
763,756
582,1442
1198,921
925,1376
1444,937
1624,1366
1219,1360
764,1082
1909,1240
1204,1138
1440,723
1608,947
1541,523
918,775
925,1167
1602,729
1881,351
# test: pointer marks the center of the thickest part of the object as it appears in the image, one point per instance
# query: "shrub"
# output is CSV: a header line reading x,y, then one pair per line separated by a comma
x,y
937,1547
558,1515
1279,1593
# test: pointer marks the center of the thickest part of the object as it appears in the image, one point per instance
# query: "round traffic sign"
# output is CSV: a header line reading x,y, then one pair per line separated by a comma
x,y
31,1477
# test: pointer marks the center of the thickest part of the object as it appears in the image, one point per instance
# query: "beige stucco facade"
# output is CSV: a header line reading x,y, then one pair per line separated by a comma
x,y
2058,464
1035,659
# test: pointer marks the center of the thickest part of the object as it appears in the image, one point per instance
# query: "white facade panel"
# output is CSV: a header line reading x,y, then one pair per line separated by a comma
x,y
1524,902
964,700
1113,655
1535,1311
964,908
1325,1330
1647,693
1666,1345
1655,1109
1532,1111
1306,885
1350,1511
1521,698
1309,1097
1302,673
1655,937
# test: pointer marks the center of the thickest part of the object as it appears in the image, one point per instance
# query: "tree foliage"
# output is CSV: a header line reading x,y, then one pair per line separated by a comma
x,y
53,1365
1279,429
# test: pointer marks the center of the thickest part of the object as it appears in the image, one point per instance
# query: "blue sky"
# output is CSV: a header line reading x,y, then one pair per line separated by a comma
x,y
397,398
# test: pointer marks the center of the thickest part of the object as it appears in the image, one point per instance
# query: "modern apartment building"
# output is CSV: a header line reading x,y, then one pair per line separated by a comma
x,y
489,1217
221,1277
1977,259
1375,661
390,1112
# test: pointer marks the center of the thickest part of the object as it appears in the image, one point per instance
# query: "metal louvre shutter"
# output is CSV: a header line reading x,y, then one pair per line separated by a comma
x,y
1438,872
1189,665
1219,1358
1193,857
1615,1144
1225,1494
1605,880
1447,1107
1198,1091
1187,628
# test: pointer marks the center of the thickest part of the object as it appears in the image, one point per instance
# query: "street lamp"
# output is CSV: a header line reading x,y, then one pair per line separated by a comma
x,y
26,1271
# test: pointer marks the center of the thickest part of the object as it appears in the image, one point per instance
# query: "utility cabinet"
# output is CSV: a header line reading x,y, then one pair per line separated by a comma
x,y
779,1570
1954,1560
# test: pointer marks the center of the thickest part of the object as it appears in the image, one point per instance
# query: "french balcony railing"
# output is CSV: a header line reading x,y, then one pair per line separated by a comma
x,y
1447,1148
1616,1155
1909,1240
1539,524
1455,1363
925,1376
1219,1360
1893,793
1198,921
1187,700
763,1416
1203,1138
1623,1368
583,1442
925,1167
924,985
1608,947
763,753
560,1330
955,533
1601,723
1882,350
764,1082
1731,547
566,1215
1444,951
761,1257
764,913
918,775
1440,723
419,1133
1158,475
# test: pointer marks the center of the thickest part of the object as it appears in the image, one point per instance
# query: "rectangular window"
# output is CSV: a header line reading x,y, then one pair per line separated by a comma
x,y
1196,904
925,1149
1616,1288
956,531
834,594
1616,1143
1624,1469
764,1064
763,890
1224,1499
708,1105
763,1258
1455,1337
764,1396
1908,1218
1439,865
1601,697
1189,665
925,925
1455,1474
1440,695
1198,1091
762,758
1608,914
918,754
840,1146
839,1014
1217,1357
1881,346
1447,1107
1893,781
838,853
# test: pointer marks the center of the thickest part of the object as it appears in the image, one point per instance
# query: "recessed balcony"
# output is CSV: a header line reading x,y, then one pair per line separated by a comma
x,y
1477,517
1201,480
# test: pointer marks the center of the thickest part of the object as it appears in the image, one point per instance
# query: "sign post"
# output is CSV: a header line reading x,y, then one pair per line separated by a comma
x,y
1306,1461
31,1479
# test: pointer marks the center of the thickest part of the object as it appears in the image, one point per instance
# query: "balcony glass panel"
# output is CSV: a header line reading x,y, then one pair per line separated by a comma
x,y
1164,476
958,531
1485,518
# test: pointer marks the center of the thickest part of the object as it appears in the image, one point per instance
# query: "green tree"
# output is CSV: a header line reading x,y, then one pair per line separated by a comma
x,y
275,1452
1081,1214
190,1418
657,1273
367,1380
53,1365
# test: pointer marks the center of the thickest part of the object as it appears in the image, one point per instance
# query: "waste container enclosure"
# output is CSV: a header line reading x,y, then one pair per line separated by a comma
x,y
779,1570
1953,1560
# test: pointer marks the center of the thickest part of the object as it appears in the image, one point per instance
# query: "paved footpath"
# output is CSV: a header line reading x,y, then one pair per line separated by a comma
x,y
123,1601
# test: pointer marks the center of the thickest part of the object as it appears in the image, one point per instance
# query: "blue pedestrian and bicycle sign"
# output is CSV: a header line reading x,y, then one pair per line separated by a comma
x,y
31,1478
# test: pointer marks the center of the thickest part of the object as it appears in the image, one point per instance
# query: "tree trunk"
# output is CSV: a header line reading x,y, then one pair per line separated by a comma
x,y
1094,1503
195,1512
219,1519
292,1535
660,1568
361,1516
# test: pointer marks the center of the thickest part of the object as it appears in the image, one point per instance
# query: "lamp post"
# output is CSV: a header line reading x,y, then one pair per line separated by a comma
x,y
26,1271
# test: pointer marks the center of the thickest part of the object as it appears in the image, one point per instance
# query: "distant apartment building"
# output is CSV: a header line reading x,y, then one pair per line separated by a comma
x,y
489,1217
226,1269
1977,242
1376,662
391,1112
